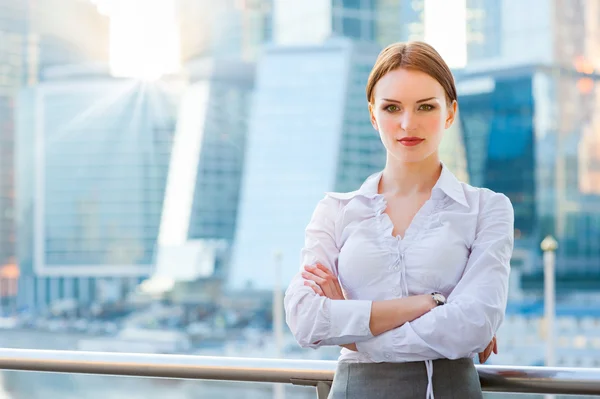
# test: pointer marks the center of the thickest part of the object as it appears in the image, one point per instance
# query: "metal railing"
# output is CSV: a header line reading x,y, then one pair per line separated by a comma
x,y
317,373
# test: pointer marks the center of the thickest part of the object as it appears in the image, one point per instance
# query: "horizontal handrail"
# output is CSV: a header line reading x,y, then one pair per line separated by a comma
x,y
510,379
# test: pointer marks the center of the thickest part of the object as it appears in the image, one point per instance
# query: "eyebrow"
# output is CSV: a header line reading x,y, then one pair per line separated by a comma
x,y
399,102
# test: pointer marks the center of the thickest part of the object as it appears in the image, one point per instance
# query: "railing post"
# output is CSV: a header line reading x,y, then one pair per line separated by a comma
x,y
323,389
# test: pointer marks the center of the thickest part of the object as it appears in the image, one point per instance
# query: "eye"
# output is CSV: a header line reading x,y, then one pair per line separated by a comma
x,y
392,108
426,107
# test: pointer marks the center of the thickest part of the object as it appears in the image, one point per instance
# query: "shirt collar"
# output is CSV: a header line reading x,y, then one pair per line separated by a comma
x,y
451,186
447,184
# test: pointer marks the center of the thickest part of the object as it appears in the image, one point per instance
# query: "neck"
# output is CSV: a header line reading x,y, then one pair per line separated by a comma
x,y
406,178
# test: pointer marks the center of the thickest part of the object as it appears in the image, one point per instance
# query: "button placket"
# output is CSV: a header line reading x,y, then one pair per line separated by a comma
x,y
403,274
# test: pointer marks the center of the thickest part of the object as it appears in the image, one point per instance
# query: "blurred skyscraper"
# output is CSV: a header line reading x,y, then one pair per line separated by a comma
x,y
309,133
312,22
225,28
66,32
502,34
13,47
220,42
93,156
202,196
529,105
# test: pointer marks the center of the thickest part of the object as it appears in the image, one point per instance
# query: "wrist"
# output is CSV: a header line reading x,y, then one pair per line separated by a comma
x,y
438,298
429,303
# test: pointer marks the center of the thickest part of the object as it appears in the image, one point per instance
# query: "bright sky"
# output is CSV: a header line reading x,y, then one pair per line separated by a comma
x,y
446,30
144,38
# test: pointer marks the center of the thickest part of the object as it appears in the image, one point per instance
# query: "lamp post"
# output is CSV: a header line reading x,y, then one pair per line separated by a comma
x,y
549,246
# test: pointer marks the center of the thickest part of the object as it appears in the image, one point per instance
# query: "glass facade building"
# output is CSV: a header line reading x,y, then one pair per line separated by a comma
x,y
227,28
13,39
372,21
202,196
484,29
532,133
303,141
13,34
529,127
93,157
66,32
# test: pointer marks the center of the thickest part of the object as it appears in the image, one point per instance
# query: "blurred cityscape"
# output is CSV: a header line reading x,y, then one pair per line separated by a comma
x,y
160,159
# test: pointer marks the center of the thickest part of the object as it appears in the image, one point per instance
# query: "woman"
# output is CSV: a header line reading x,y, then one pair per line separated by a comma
x,y
379,262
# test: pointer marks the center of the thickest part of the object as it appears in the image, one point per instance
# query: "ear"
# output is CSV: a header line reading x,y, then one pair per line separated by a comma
x,y
372,115
452,110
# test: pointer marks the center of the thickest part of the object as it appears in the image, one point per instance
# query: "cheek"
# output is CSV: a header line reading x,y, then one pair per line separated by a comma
x,y
387,123
433,124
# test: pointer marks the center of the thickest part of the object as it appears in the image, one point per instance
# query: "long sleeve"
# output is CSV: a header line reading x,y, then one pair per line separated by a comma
x,y
475,308
316,320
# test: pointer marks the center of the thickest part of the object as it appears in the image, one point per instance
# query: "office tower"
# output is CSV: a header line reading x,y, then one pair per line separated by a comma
x,y
309,133
93,154
66,32
532,134
202,196
225,29
13,39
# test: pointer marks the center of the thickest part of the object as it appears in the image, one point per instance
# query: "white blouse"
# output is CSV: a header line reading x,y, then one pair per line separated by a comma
x,y
459,243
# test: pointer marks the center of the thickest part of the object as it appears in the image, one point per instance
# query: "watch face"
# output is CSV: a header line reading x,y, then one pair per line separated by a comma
x,y
439,298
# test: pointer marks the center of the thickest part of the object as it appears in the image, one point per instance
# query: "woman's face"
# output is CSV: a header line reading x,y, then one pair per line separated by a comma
x,y
410,112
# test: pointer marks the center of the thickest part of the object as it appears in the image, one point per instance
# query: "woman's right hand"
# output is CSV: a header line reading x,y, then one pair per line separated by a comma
x,y
322,281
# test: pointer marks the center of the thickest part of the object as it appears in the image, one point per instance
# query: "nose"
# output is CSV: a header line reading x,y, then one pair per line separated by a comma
x,y
407,121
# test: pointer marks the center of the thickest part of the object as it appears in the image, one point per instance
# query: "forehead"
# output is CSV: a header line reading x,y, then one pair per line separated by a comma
x,y
407,85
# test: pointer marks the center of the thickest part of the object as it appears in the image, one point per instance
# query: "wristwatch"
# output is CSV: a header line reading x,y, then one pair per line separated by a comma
x,y
439,298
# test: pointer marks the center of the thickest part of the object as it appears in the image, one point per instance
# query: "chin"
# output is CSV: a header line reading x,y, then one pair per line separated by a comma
x,y
405,157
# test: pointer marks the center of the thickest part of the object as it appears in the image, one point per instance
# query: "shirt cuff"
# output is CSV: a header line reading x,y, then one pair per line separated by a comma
x,y
377,349
350,318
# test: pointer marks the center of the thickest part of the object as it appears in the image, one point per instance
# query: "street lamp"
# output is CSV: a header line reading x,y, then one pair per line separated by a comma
x,y
549,246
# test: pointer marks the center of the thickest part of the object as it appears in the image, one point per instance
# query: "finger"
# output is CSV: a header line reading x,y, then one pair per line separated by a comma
x,y
317,271
315,288
334,282
487,353
310,276
495,346
325,284
330,283
483,358
324,269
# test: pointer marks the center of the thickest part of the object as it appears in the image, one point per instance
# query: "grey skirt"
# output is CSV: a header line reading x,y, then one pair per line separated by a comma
x,y
457,379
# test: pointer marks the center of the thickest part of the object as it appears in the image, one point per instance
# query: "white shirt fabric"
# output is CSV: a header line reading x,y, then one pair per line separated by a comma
x,y
459,243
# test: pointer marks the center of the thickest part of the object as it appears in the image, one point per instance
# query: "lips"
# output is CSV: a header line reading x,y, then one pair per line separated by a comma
x,y
411,141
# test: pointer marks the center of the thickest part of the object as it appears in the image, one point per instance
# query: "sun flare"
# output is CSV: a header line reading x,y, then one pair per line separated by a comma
x,y
144,37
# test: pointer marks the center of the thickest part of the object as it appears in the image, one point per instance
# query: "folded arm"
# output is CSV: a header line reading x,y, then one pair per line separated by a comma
x,y
475,309
316,319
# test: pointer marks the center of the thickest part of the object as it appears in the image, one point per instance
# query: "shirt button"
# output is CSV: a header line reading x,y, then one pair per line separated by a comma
x,y
387,356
